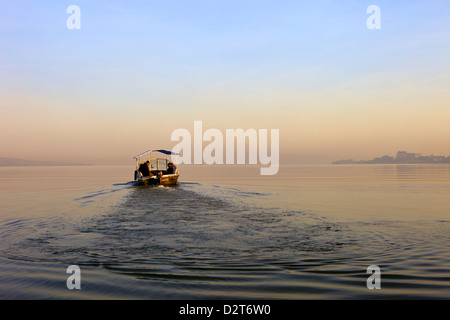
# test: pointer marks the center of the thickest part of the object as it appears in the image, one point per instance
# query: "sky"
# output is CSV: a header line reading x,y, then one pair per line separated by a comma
x,y
136,71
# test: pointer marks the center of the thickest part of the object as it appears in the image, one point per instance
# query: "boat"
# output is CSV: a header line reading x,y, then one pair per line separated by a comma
x,y
161,170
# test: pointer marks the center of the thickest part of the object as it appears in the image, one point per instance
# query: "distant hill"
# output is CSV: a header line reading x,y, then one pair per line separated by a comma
x,y
402,157
22,162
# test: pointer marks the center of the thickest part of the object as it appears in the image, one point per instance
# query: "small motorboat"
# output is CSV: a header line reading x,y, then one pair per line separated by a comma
x,y
156,170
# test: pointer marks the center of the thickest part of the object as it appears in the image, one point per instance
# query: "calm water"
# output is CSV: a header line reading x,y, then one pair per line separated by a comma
x,y
226,233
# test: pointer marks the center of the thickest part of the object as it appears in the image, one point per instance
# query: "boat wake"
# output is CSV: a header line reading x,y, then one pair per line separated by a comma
x,y
195,241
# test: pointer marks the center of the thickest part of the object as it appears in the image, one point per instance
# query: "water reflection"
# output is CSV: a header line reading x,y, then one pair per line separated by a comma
x,y
309,232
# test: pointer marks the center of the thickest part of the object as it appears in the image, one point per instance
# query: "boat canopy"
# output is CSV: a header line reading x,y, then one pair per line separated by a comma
x,y
160,151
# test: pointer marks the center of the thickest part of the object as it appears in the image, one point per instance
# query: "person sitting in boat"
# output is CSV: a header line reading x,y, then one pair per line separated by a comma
x,y
144,170
170,168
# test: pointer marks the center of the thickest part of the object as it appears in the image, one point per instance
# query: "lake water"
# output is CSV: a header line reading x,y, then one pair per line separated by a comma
x,y
225,232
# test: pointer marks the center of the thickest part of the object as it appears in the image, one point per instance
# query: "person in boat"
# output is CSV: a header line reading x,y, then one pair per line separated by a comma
x,y
170,168
144,170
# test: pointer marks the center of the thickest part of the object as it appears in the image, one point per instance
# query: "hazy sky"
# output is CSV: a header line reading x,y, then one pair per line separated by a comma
x,y
138,70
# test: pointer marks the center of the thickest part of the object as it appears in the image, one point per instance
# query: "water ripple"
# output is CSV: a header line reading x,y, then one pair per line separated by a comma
x,y
191,244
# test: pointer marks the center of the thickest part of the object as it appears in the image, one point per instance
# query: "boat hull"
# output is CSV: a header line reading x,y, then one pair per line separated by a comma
x,y
169,179
165,180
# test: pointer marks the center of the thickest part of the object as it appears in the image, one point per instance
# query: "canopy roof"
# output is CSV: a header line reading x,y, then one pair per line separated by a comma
x,y
160,151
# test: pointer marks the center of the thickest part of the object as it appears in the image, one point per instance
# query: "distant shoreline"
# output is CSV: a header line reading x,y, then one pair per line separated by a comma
x,y
402,157
13,162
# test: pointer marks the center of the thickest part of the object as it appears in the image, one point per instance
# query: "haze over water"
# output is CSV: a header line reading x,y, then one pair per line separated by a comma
x,y
226,232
